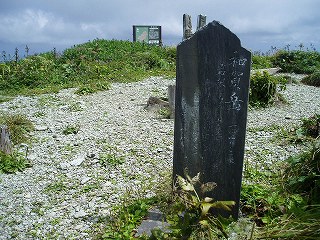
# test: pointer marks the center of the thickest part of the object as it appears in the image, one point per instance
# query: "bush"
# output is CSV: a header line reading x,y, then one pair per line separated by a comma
x,y
311,126
302,174
297,61
313,79
260,62
99,61
263,88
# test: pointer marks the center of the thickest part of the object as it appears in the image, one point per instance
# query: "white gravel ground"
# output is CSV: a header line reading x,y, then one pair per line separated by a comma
x,y
71,186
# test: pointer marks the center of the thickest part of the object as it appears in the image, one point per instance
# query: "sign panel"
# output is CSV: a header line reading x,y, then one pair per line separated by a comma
x,y
147,34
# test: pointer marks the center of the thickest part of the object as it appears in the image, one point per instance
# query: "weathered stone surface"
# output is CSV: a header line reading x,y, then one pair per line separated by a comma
x,y
213,73
5,142
155,219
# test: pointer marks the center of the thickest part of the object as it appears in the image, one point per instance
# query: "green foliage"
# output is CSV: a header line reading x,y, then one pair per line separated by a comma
x,y
313,79
190,217
303,174
71,129
110,159
56,187
260,62
126,218
13,162
284,202
307,131
19,126
264,202
297,61
263,88
165,112
92,66
311,126
302,225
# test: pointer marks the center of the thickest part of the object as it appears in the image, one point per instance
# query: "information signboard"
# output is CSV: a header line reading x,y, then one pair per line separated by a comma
x,y
147,34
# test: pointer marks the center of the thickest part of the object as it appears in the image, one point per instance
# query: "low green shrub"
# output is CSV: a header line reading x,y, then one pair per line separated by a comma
x,y
311,126
302,174
297,61
260,62
313,79
126,218
300,179
71,129
11,163
190,216
98,61
263,88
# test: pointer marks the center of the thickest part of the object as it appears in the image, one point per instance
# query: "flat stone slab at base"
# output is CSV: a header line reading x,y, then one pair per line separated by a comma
x,y
148,225
155,220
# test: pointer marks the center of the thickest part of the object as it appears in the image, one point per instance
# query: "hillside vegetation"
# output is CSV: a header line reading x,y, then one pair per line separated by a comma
x,y
90,66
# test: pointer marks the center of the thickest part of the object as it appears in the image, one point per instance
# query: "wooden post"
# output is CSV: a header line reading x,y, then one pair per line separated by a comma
x,y
5,142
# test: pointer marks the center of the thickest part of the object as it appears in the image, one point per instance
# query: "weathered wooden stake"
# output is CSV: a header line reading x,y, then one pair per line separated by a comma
x,y
5,142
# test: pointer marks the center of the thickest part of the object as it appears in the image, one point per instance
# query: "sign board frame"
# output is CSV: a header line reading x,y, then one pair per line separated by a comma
x,y
150,34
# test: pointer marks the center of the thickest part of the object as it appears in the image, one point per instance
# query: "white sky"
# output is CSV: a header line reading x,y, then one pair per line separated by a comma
x,y
260,24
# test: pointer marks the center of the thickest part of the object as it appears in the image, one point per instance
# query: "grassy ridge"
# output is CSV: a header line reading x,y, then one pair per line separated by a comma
x,y
91,66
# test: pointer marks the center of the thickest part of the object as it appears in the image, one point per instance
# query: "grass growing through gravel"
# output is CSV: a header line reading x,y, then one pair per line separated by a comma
x,y
19,126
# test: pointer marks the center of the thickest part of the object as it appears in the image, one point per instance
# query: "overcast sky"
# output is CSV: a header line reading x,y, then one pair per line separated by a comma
x,y
260,24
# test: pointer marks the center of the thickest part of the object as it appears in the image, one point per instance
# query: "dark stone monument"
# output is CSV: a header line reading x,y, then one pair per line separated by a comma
x,y
212,87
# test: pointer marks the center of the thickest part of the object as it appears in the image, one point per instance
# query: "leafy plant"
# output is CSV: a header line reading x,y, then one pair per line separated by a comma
x,y
263,88
313,79
192,217
307,131
165,112
13,162
92,88
260,62
111,159
71,129
126,218
311,126
58,186
302,174
297,61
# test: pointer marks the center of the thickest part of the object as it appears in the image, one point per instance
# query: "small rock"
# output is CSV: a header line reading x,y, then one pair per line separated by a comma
x,y
64,165
91,155
85,179
108,183
81,213
77,161
41,128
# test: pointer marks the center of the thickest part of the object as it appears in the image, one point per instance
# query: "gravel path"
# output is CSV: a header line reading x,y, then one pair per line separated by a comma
x,y
120,149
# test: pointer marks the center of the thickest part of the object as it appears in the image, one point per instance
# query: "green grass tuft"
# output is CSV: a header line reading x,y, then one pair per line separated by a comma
x,y
19,127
